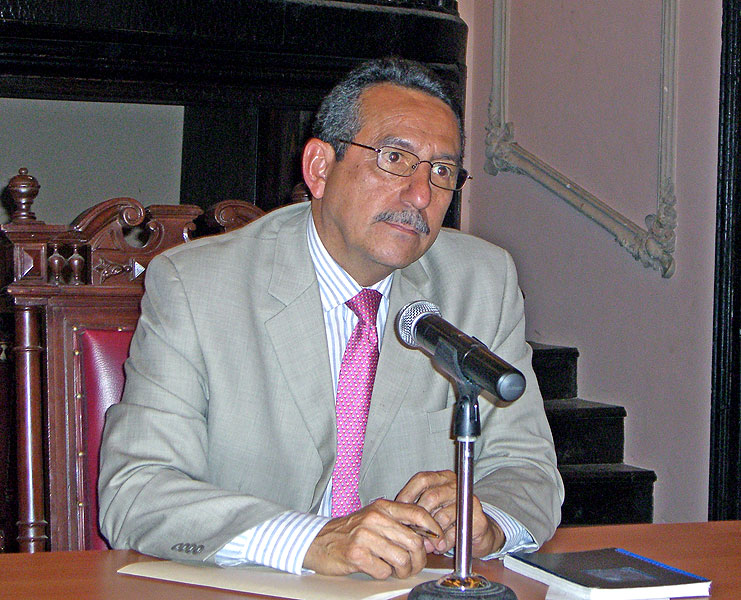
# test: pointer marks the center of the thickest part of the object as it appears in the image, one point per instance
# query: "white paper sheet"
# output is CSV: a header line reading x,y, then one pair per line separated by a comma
x,y
269,582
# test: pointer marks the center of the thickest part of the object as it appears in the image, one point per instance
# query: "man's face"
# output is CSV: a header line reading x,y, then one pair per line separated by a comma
x,y
358,207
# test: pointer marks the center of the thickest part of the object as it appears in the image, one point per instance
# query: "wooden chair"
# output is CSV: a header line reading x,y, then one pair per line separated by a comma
x,y
74,293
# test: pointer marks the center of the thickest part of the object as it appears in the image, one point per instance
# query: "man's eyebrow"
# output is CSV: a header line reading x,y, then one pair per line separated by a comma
x,y
403,144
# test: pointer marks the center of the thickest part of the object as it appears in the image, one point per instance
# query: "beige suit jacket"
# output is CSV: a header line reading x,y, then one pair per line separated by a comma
x,y
228,419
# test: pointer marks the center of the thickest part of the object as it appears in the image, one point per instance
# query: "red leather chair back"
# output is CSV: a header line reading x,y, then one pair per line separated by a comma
x,y
103,354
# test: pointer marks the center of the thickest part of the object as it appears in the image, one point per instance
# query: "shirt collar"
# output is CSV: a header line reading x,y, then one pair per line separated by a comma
x,y
336,286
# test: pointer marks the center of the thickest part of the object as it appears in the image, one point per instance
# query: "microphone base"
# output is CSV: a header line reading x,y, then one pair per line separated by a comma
x,y
454,587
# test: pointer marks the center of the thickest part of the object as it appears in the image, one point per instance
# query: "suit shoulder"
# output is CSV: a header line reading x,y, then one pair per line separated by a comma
x,y
453,246
460,260
240,241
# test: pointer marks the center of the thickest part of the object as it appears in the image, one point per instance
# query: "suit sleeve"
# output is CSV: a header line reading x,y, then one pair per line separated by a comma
x,y
154,487
515,467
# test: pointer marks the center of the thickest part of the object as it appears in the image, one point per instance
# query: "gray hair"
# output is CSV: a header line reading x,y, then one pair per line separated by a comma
x,y
338,116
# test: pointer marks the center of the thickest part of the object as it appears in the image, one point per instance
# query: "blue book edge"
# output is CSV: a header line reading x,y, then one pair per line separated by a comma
x,y
661,564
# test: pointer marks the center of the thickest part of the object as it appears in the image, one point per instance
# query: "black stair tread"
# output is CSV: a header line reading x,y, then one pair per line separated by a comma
x,y
606,471
585,431
606,494
578,408
552,348
555,369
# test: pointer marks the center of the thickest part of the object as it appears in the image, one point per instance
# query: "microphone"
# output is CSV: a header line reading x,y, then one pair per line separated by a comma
x,y
466,359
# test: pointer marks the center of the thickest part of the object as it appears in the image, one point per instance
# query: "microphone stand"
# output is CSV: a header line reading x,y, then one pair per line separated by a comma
x,y
462,582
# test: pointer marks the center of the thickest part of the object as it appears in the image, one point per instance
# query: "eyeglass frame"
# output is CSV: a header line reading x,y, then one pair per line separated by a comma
x,y
432,164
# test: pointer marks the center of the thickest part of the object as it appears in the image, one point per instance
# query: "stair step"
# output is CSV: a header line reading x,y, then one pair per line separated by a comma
x,y
607,494
585,431
589,439
555,370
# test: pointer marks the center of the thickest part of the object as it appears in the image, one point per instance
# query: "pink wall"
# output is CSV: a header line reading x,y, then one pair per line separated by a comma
x,y
584,96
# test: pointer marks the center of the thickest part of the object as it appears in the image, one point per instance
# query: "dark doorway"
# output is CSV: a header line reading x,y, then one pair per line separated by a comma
x,y
725,440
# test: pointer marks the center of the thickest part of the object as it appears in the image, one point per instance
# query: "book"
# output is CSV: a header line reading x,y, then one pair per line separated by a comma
x,y
608,574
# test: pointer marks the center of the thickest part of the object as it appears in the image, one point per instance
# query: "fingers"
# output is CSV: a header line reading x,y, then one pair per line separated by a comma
x,y
419,521
436,492
435,486
488,537
376,540
413,516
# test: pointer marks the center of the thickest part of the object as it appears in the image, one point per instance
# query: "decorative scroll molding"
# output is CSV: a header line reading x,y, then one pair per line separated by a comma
x,y
95,249
107,268
652,246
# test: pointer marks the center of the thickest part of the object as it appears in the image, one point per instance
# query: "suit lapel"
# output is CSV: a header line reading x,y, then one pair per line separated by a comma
x,y
297,332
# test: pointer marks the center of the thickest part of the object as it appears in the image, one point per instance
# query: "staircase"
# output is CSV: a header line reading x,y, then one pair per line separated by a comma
x,y
589,439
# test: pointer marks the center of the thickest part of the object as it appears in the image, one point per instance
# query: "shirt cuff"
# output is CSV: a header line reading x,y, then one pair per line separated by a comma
x,y
281,542
516,537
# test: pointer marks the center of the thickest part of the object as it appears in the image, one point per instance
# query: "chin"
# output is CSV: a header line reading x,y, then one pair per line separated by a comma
x,y
399,262
398,256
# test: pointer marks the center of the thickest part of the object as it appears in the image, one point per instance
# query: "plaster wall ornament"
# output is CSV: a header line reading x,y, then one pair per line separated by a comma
x,y
652,246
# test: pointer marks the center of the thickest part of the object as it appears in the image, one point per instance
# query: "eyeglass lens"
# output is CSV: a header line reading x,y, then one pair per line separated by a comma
x,y
403,163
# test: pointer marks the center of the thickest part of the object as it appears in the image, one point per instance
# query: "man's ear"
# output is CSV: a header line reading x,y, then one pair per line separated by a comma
x,y
316,163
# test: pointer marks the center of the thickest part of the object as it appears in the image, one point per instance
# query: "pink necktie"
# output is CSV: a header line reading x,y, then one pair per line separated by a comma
x,y
354,388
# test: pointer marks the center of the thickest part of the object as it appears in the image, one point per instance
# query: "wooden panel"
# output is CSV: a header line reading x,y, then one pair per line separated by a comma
x,y
282,135
220,154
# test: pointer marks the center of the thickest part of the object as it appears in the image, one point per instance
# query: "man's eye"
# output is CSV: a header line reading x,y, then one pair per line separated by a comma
x,y
393,157
444,171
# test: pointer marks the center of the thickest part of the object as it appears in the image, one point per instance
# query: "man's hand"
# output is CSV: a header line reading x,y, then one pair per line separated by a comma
x,y
435,491
376,540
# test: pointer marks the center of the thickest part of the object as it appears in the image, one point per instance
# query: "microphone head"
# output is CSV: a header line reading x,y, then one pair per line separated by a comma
x,y
407,318
511,386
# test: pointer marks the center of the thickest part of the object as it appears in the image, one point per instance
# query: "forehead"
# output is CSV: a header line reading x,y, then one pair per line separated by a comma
x,y
423,122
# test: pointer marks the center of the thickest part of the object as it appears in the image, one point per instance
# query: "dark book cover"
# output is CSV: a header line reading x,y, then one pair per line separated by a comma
x,y
608,573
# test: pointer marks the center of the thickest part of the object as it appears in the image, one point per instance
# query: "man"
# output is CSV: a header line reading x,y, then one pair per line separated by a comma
x,y
245,433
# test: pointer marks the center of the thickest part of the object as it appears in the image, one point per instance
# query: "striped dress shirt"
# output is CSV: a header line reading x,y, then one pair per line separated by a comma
x,y
282,542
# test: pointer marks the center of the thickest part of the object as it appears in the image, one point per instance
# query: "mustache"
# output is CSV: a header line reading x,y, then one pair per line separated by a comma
x,y
404,217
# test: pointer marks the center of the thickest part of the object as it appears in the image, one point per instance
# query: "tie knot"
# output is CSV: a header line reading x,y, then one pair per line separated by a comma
x,y
365,304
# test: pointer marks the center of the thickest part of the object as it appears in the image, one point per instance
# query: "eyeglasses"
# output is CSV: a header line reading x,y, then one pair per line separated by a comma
x,y
403,163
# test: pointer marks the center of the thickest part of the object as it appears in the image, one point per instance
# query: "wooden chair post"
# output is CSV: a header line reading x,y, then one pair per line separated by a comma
x,y
29,260
32,523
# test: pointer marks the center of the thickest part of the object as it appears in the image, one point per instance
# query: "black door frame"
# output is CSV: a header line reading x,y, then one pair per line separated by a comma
x,y
725,423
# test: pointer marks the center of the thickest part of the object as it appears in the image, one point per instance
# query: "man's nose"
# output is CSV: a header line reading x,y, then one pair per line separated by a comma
x,y
417,192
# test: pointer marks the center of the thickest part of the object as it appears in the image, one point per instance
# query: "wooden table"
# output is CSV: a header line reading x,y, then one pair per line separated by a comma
x,y
709,549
